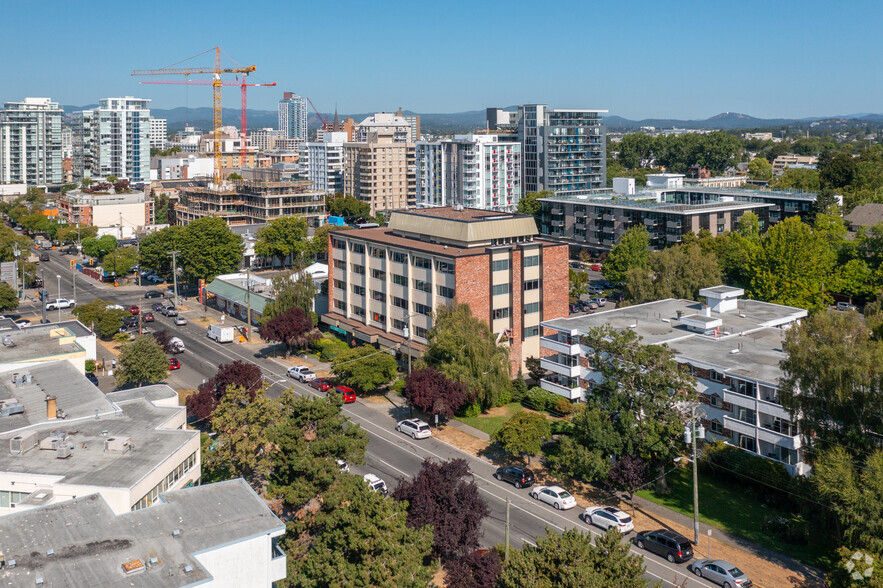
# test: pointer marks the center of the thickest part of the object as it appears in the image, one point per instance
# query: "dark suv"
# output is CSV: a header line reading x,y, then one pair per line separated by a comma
x,y
672,546
515,475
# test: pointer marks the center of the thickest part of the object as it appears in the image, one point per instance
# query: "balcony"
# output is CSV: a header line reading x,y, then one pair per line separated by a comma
x,y
673,225
571,393
774,409
557,211
732,397
650,222
559,346
734,424
673,238
776,438
560,369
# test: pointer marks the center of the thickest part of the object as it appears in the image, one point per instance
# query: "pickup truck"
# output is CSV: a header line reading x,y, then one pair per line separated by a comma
x,y
301,373
60,303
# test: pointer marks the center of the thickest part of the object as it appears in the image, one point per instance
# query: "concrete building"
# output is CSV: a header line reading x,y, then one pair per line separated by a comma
x,y
561,150
113,140
131,209
384,123
219,535
158,133
732,346
67,142
181,168
501,120
385,280
783,162
264,139
473,171
26,348
31,142
323,161
67,438
717,181
380,171
235,293
293,116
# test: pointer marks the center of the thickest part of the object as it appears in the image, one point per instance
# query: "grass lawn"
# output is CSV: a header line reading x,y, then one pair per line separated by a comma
x,y
734,510
489,423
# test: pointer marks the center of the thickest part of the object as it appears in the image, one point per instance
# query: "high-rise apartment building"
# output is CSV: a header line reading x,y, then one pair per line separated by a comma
x,y
562,150
380,171
113,140
475,171
323,161
158,133
30,142
67,142
293,116
402,129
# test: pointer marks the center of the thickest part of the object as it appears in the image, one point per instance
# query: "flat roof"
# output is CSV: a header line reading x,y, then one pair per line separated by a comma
x,y
38,342
467,226
757,355
463,215
91,543
385,236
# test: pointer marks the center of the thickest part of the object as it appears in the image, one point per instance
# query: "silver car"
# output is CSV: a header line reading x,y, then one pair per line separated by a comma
x,y
721,572
416,428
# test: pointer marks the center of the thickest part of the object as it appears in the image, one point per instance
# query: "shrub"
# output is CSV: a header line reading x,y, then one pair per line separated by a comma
x,y
122,338
519,388
328,348
540,399
505,397
730,464
562,427
90,365
564,406
399,387
470,410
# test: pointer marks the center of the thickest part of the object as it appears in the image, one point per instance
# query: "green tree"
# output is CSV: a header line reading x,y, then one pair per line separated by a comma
x,y
796,178
792,266
748,226
579,283
155,249
632,251
675,272
836,170
365,368
535,369
463,348
234,176
523,434
293,290
570,560
349,208
112,178
209,249
142,361
760,169
161,208
283,237
99,247
8,297
530,203
121,260
8,240
855,278
99,315
75,234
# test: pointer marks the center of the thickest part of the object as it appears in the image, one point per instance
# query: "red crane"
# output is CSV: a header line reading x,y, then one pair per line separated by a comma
x,y
243,120
324,121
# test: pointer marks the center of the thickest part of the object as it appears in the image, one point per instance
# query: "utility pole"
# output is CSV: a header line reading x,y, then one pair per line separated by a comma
x,y
507,529
15,253
248,299
174,274
695,476
59,295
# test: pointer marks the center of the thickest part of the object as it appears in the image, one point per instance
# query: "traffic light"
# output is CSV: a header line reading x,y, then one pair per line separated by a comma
x,y
42,293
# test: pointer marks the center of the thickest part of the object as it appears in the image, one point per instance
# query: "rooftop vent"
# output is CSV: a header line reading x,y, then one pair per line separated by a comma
x,y
50,552
39,581
63,451
8,341
10,563
153,561
176,533
11,406
133,567
734,351
188,569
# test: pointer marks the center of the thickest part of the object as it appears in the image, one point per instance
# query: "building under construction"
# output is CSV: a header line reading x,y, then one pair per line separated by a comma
x,y
244,202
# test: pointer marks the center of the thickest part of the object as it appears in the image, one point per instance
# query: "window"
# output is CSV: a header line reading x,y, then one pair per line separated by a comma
x,y
358,269
746,388
531,332
379,296
378,253
501,313
423,262
746,415
444,267
716,428
357,247
399,257
531,285
339,304
340,284
400,280
360,290
500,265
531,260
422,309
338,244
715,400
715,376
420,332
378,318
501,289
358,310
422,286
378,274
339,264
399,302
400,325
445,291
531,308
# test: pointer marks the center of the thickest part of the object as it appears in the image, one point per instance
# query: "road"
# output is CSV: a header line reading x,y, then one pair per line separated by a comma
x,y
391,455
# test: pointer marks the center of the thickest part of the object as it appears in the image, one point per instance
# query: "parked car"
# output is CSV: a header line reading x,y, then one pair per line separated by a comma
x,y
517,475
155,279
595,290
180,321
23,323
44,257
607,517
672,546
587,306
60,303
134,309
574,308
846,306
158,306
557,496
575,264
376,483
169,311
301,373
347,393
599,300
344,466
92,377
595,267
616,297
130,321
320,384
721,572
153,294
174,364
416,428
147,317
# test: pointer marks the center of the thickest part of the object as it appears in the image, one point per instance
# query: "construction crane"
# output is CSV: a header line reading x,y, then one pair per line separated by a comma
x,y
215,72
244,117
324,121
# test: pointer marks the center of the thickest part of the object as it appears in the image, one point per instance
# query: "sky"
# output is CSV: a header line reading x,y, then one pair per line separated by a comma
x,y
638,59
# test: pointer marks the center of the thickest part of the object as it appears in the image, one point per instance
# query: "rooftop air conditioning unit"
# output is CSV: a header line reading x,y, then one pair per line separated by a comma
x,y
23,443
118,444
63,451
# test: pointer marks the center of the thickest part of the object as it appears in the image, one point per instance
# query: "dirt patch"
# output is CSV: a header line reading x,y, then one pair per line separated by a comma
x,y
375,399
459,439
111,347
183,394
439,578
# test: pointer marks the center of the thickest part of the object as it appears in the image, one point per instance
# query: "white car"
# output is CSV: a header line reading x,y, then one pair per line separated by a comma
x,y
557,496
60,303
301,373
23,323
416,428
377,484
344,466
607,517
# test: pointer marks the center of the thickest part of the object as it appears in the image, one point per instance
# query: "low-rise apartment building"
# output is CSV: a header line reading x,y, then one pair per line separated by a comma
x,y
732,346
782,162
37,344
385,283
131,209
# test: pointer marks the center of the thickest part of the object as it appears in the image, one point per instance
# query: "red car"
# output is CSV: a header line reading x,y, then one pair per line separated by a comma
x,y
147,317
348,394
134,309
320,384
174,364
595,267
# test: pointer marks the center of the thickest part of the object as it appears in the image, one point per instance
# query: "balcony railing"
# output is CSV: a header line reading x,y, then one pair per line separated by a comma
x,y
559,346
571,393
560,369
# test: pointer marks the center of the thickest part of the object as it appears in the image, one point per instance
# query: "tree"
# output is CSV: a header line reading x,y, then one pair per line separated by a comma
x,y
365,368
629,474
530,203
434,393
293,328
748,226
353,536
463,348
208,249
155,249
234,176
675,272
440,496
855,278
523,434
283,237
535,369
293,290
349,208
8,240
632,251
836,171
579,283
792,266
101,316
239,374
473,570
140,361
796,178
826,201
121,260
833,381
74,234
570,560
161,208
242,446
8,297
100,246
760,169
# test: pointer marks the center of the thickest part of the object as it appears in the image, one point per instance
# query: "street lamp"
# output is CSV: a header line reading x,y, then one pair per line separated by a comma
x,y
15,252
59,295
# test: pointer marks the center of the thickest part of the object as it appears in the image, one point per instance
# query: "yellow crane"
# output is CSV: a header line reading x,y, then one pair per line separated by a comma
x,y
215,72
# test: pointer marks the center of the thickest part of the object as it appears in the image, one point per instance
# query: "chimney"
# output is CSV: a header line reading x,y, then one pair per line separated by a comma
x,y
51,408
706,310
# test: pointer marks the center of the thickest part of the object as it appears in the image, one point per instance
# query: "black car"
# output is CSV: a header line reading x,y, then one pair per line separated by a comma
x,y
158,306
44,257
574,308
153,294
130,321
616,297
92,377
515,475
672,546
585,306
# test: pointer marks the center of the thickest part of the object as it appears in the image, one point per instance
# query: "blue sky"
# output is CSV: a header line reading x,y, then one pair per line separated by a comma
x,y
681,58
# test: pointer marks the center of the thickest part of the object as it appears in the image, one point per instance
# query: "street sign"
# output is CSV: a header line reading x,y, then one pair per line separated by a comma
x,y
336,330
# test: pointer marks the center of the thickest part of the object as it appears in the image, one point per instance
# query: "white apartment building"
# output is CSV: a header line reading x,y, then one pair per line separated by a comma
x,y
401,129
181,168
323,162
158,133
67,142
475,171
293,116
731,346
30,142
264,139
113,140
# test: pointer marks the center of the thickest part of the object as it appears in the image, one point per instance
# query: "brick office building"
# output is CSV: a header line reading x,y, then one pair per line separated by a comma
x,y
385,282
